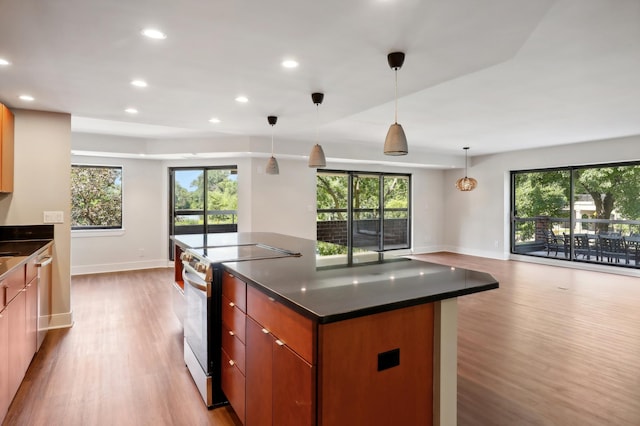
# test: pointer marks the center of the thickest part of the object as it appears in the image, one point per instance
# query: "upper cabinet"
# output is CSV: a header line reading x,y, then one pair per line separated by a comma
x,y
6,149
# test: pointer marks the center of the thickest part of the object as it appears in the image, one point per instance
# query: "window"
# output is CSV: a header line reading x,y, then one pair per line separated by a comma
x,y
580,213
362,214
197,208
96,197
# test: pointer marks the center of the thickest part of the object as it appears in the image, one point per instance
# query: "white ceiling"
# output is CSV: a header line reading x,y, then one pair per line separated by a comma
x,y
495,75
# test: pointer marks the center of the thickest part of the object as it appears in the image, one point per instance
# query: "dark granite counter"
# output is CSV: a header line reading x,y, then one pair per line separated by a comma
x,y
329,294
18,244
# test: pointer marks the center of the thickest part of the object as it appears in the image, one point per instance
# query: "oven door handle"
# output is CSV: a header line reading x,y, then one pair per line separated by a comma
x,y
202,285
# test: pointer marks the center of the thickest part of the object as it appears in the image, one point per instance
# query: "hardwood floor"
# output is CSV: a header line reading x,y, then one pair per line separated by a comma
x,y
552,346
120,364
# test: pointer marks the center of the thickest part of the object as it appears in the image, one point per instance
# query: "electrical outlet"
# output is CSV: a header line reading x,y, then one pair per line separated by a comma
x,y
53,217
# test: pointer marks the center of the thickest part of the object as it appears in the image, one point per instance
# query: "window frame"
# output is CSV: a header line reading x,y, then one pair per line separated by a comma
x,y
571,169
102,229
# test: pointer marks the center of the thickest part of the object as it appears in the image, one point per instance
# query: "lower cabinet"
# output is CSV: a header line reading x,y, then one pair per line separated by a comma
x,y
5,399
280,384
17,315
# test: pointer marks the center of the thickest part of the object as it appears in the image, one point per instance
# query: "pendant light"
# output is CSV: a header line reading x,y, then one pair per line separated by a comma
x,y
316,158
466,183
272,165
396,141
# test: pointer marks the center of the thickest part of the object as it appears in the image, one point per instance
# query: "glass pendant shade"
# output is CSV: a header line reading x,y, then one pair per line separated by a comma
x,y
317,158
466,183
272,166
396,141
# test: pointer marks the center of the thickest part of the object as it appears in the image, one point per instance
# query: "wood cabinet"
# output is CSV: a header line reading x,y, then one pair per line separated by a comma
x,y
372,369
233,363
5,399
18,330
6,149
280,373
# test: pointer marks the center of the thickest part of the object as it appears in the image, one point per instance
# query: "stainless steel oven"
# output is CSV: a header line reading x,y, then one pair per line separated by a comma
x,y
202,275
201,336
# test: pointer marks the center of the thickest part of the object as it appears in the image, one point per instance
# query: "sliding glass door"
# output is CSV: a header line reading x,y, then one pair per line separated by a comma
x,y
203,200
362,214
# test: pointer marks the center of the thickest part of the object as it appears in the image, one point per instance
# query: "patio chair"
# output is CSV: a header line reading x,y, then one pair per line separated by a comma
x,y
553,242
581,246
613,248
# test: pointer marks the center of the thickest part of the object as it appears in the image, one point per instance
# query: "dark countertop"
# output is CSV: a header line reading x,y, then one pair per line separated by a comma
x,y
329,294
19,243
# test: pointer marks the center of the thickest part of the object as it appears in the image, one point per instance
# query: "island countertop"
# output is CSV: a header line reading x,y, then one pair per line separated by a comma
x,y
334,293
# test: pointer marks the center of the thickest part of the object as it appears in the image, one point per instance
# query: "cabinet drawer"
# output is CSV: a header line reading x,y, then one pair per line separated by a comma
x,y
235,290
233,318
295,330
14,282
233,385
234,348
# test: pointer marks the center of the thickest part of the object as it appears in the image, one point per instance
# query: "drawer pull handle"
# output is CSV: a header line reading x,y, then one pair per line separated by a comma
x,y
265,331
271,299
232,304
231,333
280,342
231,363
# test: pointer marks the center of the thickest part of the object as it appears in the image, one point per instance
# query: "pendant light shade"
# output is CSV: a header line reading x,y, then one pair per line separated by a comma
x,y
272,165
317,158
396,141
466,183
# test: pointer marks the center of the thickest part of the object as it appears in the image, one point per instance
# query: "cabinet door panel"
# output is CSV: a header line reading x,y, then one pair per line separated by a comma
x,y
5,398
233,385
293,388
233,318
234,348
16,312
31,321
259,375
235,290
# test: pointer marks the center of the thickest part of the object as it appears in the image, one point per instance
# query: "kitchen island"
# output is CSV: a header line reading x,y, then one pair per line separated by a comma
x,y
371,343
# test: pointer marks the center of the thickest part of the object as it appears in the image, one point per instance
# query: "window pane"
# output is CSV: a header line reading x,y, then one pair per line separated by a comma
x,y
541,213
396,212
331,190
96,197
222,198
366,212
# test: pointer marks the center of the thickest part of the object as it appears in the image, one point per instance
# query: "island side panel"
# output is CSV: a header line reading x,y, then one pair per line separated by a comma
x,y
377,369
445,363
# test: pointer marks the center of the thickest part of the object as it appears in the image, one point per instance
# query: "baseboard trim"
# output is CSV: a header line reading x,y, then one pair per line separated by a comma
x,y
64,320
118,267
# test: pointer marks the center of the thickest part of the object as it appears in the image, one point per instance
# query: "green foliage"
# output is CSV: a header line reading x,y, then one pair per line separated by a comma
x,y
96,197
328,249
542,194
221,191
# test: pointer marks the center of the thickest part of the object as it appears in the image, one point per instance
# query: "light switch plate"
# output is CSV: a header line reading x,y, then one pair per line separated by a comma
x,y
53,217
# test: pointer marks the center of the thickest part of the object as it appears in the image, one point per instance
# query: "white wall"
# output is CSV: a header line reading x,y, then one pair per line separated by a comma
x,y
142,242
42,182
477,222
284,203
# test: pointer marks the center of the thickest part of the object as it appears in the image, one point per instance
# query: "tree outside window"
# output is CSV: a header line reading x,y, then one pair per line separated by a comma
x,y
96,197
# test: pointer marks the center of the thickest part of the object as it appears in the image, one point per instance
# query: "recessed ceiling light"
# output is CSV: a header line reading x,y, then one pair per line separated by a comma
x,y
28,98
139,83
4,62
214,120
242,99
131,110
290,63
153,33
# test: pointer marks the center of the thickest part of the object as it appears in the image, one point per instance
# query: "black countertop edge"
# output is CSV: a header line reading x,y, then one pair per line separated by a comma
x,y
26,232
360,312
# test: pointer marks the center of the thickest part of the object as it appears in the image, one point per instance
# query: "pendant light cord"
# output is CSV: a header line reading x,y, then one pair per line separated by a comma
x,y
272,140
396,70
317,122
